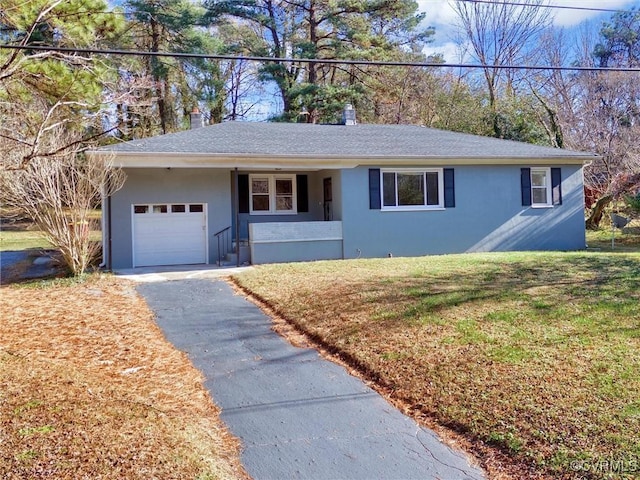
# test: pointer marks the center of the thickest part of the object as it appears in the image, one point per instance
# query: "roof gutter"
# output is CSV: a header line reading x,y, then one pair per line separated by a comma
x,y
316,162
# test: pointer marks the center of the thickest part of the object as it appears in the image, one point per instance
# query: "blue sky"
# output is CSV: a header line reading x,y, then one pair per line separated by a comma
x,y
440,15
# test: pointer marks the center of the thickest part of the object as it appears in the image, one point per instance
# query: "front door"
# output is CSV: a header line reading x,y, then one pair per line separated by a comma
x,y
328,199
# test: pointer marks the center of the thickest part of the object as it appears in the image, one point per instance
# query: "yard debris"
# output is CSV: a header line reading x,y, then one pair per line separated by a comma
x,y
129,371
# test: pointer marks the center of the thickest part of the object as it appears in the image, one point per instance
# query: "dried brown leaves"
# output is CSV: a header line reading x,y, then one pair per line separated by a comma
x,y
89,388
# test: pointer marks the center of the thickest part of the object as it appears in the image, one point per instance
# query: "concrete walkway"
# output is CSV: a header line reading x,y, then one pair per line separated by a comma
x,y
298,416
177,272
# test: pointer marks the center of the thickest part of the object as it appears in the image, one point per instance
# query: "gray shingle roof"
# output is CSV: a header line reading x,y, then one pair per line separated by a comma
x,y
294,139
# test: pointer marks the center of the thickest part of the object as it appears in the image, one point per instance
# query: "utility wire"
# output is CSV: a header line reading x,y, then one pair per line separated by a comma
x,y
542,5
207,56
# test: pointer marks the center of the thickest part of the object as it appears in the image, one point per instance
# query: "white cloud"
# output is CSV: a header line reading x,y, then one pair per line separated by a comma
x,y
440,14
571,18
450,51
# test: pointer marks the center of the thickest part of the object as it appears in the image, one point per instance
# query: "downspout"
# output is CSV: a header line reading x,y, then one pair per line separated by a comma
x,y
106,228
103,227
109,262
236,213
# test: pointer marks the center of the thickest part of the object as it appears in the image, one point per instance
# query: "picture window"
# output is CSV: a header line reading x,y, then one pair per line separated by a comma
x,y
412,189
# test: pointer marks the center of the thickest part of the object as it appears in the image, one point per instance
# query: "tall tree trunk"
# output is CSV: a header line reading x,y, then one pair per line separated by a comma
x,y
312,76
554,130
595,217
493,108
159,83
217,106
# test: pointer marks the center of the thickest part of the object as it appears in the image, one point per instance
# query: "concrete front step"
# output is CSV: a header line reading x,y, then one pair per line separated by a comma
x,y
245,256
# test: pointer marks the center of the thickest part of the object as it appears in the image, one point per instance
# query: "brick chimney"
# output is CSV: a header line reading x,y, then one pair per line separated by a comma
x,y
349,115
196,118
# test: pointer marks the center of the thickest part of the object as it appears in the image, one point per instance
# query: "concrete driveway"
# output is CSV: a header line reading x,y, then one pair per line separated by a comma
x,y
298,416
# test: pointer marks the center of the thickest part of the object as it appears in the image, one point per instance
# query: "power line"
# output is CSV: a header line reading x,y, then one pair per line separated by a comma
x,y
542,5
207,56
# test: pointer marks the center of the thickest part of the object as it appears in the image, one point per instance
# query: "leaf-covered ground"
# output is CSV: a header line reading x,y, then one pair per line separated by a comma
x,y
89,388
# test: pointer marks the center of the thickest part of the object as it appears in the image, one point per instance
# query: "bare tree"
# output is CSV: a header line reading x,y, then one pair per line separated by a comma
x,y
60,193
609,124
597,112
28,131
427,97
499,34
244,89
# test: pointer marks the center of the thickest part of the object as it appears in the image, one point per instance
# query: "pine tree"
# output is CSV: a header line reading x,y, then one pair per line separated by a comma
x,y
324,29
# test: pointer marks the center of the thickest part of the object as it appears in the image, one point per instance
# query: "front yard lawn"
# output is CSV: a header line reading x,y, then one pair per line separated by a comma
x,y
22,240
89,388
536,354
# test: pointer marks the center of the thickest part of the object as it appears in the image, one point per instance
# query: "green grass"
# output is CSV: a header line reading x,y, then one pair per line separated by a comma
x,y
22,235
22,240
625,240
535,353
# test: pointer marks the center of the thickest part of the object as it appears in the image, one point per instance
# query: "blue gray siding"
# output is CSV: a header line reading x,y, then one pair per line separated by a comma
x,y
161,185
213,187
488,216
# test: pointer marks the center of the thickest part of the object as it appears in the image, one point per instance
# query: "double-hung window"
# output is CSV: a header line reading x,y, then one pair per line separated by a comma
x,y
541,187
272,194
409,189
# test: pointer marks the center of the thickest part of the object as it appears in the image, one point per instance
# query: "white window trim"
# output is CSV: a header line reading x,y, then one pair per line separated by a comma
x,y
169,209
413,208
272,194
549,187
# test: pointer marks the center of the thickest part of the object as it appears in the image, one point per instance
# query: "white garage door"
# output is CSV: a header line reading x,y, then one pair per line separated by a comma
x,y
169,234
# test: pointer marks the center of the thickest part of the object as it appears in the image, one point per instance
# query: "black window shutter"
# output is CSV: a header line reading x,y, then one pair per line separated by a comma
x,y
556,185
525,183
449,188
243,193
302,189
374,189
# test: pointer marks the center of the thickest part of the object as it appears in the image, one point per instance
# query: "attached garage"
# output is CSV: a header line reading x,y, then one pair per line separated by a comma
x,y
169,234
